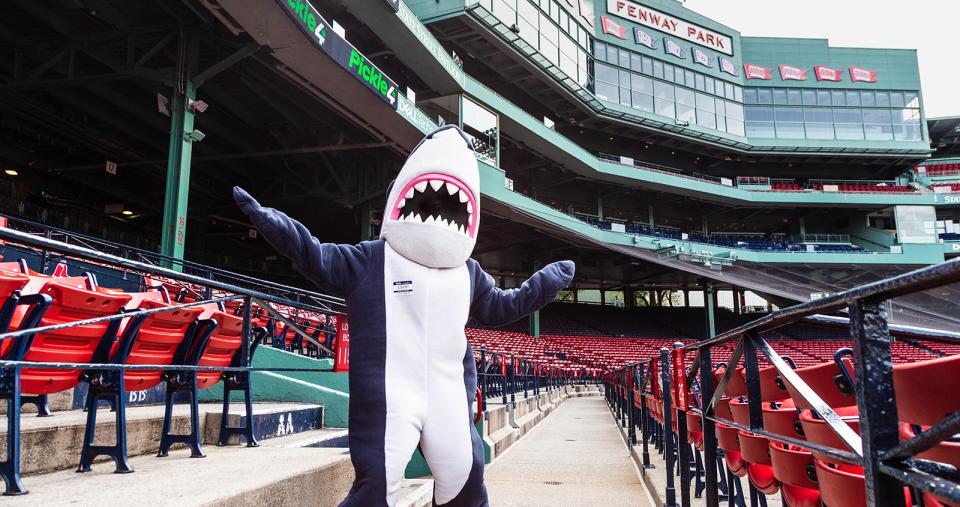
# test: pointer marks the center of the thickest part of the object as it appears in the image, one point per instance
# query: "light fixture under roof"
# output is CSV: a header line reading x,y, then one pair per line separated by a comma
x,y
127,212
11,172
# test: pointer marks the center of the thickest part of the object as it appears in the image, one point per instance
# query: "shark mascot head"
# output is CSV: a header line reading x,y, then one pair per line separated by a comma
x,y
433,207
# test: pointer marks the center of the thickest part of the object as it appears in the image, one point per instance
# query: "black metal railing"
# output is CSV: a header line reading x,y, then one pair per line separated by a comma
x,y
888,463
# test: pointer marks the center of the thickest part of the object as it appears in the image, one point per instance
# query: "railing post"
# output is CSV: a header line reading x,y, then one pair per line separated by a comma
x,y
873,370
644,420
671,494
752,378
632,431
709,430
483,374
513,379
503,377
683,447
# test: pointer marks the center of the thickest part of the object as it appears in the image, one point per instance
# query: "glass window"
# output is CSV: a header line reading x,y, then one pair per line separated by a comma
x,y
607,74
643,101
663,90
735,127
555,12
759,113
819,131
678,76
907,132
738,93
761,130
625,79
721,123
789,130
794,98
823,97
916,224
734,111
706,119
848,115
658,69
818,114
664,107
600,51
606,91
700,84
689,77
907,116
642,84
877,116
482,127
810,97
849,131
896,99
527,11
750,96
868,98
613,55
789,114
853,98
625,58
686,97
707,80
636,63
729,90
625,97
647,66
668,72
686,113
883,99
911,99
765,96
878,132
839,98
779,96
721,110
706,103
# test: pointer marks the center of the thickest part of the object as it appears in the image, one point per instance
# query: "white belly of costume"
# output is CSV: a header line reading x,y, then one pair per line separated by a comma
x,y
426,310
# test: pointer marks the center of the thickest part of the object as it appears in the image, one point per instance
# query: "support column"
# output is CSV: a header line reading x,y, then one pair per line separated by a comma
x,y
649,213
178,160
535,324
686,298
629,298
366,227
600,207
708,301
736,301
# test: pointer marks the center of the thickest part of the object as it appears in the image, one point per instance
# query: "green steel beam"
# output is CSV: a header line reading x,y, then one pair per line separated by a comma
x,y
708,296
179,158
224,64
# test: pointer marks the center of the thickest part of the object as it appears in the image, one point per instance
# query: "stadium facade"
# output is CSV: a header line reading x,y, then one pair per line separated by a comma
x,y
654,146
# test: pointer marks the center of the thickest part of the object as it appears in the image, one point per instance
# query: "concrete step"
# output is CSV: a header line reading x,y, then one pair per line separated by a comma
x,y
54,443
276,473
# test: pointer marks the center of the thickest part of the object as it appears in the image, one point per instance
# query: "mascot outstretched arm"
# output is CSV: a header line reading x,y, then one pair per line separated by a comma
x,y
409,295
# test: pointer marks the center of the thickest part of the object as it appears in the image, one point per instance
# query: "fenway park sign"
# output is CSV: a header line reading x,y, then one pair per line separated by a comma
x,y
676,27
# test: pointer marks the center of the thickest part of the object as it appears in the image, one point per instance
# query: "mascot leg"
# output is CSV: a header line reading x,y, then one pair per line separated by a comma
x,y
450,442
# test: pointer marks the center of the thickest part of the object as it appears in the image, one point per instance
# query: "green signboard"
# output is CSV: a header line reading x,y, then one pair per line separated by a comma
x,y
341,51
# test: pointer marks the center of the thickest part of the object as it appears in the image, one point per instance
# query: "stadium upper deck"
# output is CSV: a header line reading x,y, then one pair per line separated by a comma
x,y
649,154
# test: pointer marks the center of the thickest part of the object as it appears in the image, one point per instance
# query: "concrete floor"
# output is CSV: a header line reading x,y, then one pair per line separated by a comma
x,y
575,457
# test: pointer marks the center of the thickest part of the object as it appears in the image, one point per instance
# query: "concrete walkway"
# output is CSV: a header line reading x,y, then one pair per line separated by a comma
x,y
575,457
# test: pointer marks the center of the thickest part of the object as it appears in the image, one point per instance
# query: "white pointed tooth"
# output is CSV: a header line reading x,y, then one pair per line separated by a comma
x,y
470,219
418,218
401,203
409,194
436,184
421,186
410,216
400,218
470,207
453,226
452,189
461,230
463,196
442,221
430,220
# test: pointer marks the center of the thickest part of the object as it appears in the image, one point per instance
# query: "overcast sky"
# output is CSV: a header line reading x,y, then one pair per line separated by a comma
x,y
929,26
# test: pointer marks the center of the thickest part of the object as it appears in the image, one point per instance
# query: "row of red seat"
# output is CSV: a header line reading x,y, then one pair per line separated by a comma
x,y
869,188
954,187
925,393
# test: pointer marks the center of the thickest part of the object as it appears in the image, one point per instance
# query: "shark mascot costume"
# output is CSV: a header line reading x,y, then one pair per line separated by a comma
x,y
409,295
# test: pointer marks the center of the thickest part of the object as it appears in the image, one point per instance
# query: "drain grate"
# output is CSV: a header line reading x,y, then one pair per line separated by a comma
x,y
553,483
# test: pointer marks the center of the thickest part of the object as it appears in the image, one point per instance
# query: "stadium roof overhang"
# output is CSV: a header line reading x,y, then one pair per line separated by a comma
x,y
944,136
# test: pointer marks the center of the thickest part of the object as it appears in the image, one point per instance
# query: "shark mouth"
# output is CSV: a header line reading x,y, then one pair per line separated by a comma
x,y
439,200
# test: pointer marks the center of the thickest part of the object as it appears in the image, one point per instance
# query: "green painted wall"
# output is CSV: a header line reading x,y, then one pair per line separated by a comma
x,y
325,388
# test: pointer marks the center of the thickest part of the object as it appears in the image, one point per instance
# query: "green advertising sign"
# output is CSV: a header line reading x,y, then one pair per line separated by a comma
x,y
341,51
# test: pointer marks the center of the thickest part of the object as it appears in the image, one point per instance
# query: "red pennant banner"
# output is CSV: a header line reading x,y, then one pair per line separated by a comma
x,y
613,28
757,72
793,73
827,74
858,74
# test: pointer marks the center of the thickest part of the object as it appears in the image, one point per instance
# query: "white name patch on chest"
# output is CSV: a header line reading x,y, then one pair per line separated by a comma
x,y
403,288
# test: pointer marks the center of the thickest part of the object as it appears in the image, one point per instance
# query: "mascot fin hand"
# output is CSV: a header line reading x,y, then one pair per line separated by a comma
x,y
335,268
494,307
